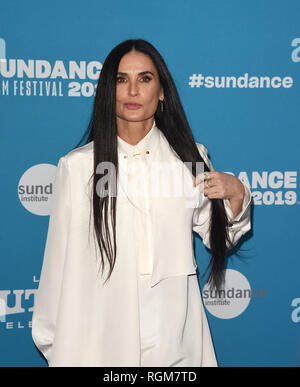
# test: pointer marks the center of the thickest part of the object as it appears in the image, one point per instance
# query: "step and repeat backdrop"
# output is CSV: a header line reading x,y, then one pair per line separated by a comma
x,y
237,68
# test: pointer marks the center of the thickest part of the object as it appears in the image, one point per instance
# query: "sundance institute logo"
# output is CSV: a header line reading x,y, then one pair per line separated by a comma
x,y
35,188
233,299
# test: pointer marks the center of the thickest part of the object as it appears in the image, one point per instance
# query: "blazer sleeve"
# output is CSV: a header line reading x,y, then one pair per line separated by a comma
x,y
238,225
48,294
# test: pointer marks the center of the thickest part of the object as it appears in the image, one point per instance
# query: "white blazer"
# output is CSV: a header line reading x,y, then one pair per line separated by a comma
x,y
79,321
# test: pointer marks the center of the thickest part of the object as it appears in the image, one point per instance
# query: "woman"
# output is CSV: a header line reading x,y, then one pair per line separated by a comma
x,y
148,310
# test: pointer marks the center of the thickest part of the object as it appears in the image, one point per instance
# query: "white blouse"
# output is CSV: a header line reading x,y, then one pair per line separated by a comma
x,y
80,321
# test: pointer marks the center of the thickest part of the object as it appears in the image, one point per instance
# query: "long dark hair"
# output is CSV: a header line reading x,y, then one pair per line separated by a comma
x,y
102,130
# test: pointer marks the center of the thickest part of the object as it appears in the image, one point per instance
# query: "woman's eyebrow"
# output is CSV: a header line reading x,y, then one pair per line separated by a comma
x,y
141,73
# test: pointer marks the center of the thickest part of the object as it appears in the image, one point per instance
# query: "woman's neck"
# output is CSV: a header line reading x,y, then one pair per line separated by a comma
x,y
134,131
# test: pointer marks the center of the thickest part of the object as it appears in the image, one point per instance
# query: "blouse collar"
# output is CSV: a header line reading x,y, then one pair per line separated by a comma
x,y
143,149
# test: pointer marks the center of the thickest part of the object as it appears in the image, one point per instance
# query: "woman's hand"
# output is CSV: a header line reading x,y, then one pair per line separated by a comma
x,y
222,186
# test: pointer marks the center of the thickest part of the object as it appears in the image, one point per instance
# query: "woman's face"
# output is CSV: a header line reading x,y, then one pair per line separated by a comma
x,y
138,88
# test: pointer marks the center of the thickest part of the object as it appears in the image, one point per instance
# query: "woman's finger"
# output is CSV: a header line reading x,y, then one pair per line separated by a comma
x,y
201,177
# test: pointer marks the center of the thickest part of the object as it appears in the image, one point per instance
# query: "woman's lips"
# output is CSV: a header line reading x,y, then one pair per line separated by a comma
x,y
132,106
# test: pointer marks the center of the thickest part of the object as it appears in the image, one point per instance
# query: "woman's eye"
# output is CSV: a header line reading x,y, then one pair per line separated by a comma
x,y
120,79
146,78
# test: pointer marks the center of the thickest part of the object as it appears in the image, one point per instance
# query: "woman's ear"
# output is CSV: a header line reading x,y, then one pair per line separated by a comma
x,y
161,95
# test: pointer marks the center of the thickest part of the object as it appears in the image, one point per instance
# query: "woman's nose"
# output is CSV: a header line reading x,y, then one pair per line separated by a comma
x,y
133,89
